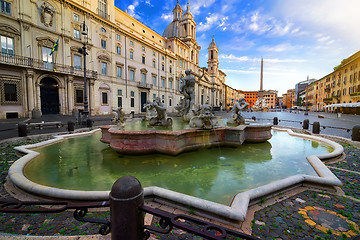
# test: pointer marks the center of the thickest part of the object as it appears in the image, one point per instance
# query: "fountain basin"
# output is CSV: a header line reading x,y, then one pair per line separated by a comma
x,y
176,142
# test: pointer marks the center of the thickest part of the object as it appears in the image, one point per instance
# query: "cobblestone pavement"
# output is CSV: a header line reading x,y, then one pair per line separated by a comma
x,y
307,215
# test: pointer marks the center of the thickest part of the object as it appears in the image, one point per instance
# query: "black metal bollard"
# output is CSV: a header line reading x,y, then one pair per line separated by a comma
x,y
253,118
316,127
306,113
71,126
355,136
22,130
276,121
306,124
127,221
88,122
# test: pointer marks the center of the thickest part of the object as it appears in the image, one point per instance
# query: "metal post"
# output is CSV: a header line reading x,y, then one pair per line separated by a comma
x,y
306,124
127,220
71,126
316,127
276,121
355,136
22,130
86,104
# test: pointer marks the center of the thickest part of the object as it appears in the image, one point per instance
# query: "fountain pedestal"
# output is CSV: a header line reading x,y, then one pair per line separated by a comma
x,y
176,142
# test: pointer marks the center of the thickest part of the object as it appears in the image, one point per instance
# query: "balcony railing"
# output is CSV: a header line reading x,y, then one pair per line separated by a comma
x,y
43,65
355,94
144,85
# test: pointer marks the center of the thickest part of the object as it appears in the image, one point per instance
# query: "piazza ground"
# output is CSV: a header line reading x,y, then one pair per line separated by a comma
x,y
302,213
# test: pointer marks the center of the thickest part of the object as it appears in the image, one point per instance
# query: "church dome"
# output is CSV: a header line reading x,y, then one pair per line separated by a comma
x,y
172,30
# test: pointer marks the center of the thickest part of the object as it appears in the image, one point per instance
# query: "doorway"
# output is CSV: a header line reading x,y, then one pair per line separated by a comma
x,y
49,95
143,98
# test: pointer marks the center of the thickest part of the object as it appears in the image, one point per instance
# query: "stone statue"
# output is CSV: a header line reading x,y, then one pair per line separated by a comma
x,y
150,111
204,119
160,119
261,105
240,105
188,90
119,117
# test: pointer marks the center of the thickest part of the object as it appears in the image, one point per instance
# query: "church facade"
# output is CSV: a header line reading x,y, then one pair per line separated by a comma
x,y
128,64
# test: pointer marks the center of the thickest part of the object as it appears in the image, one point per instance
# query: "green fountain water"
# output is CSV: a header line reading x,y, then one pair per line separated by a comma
x,y
214,174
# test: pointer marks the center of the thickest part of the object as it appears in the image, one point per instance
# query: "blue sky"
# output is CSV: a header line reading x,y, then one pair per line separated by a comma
x,y
296,38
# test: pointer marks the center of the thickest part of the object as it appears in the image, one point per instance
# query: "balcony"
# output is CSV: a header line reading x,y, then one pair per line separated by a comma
x,y
355,94
329,99
144,85
26,62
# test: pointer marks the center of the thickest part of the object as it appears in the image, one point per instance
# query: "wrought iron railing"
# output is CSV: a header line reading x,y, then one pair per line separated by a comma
x,y
44,65
167,220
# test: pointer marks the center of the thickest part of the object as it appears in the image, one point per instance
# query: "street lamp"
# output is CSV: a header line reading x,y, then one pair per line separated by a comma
x,y
84,32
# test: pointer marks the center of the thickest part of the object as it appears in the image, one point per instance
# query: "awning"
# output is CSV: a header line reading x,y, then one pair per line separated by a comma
x,y
350,105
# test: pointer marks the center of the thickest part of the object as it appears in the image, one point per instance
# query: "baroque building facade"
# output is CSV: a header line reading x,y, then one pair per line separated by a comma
x,y
127,65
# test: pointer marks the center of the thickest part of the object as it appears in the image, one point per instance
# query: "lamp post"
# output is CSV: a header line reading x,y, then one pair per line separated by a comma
x,y
84,31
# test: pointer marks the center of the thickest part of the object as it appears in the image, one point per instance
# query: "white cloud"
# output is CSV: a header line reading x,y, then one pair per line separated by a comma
x,y
196,5
213,20
131,9
336,19
167,16
233,58
283,47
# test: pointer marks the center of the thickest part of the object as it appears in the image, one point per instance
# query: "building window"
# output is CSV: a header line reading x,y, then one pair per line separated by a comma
x,y
162,57
79,96
162,67
103,68
170,84
104,98
118,37
154,80
77,62
143,48
118,50
103,30
47,58
143,59
131,43
132,77
163,98
10,92
119,101
153,63
102,8
162,82
118,71
344,91
103,44
120,92
131,55
132,99
154,96
170,69
5,7
76,17
154,53
76,34
170,102
7,45
143,78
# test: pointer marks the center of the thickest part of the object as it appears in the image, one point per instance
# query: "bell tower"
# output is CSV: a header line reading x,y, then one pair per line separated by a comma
x,y
188,25
213,58
177,12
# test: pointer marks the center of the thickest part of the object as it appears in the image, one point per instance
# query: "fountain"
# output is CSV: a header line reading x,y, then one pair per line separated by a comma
x,y
204,130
